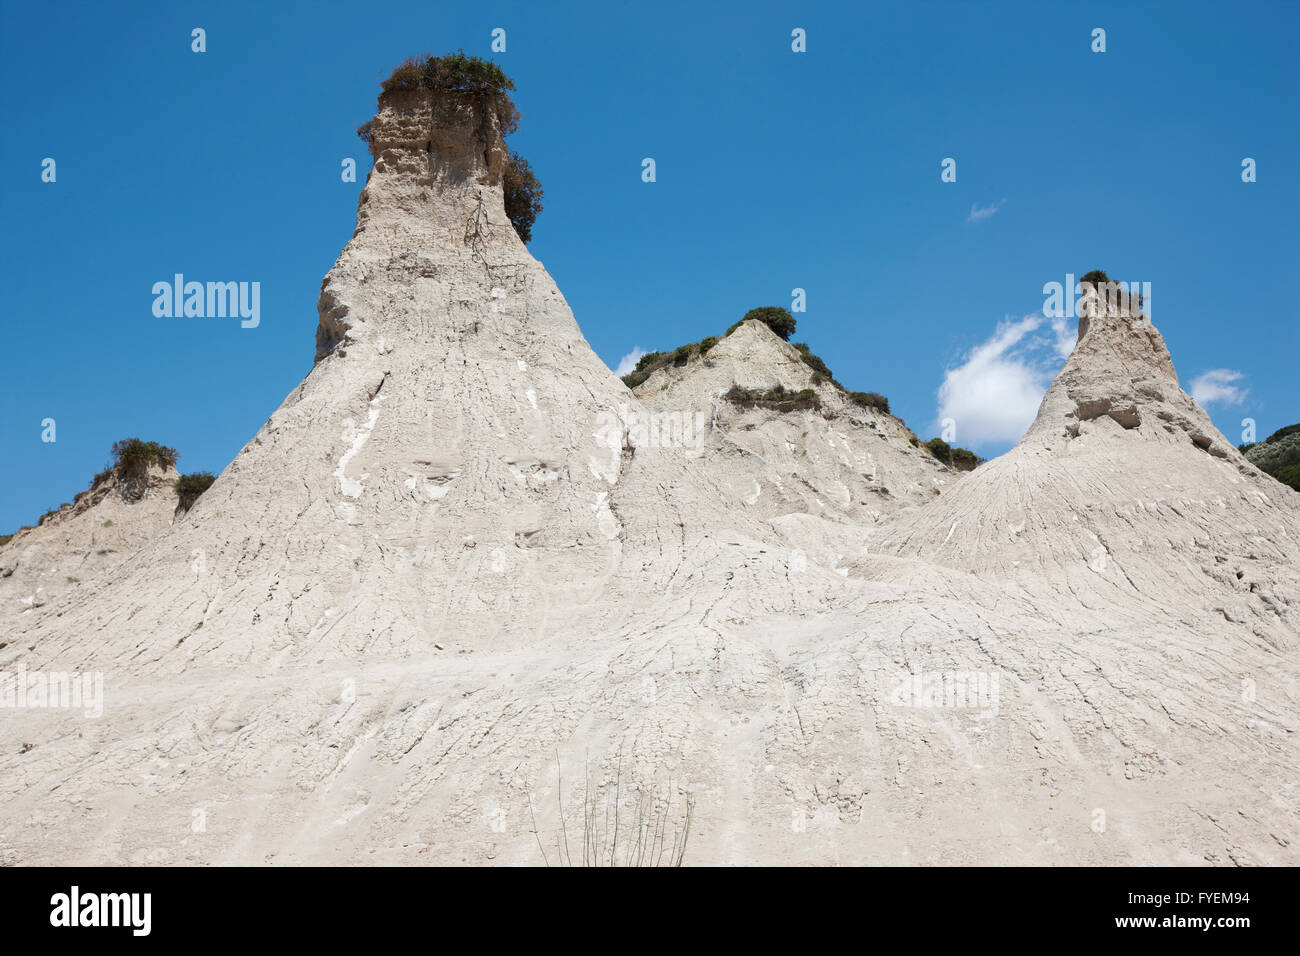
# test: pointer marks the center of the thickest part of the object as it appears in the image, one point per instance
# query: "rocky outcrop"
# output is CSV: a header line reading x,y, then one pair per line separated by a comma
x,y
1121,370
435,183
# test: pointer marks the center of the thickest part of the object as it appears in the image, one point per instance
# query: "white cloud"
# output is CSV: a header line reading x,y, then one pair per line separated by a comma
x,y
1216,385
978,212
1066,338
628,362
994,394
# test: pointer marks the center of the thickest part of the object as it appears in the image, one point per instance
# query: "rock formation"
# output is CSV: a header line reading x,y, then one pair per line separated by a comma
x,y
443,602
840,460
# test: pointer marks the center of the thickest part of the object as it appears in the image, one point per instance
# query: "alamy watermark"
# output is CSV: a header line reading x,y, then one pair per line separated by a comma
x,y
212,300
626,426
954,690
1116,296
128,910
22,689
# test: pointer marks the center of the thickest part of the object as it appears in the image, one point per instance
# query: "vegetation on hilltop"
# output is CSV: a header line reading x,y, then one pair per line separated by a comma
x,y
779,320
132,459
870,400
456,72
651,362
189,487
1277,455
777,398
1099,281
523,195
783,324
963,459
477,82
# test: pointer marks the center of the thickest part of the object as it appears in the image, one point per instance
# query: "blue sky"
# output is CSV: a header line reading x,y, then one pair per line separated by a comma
x,y
775,170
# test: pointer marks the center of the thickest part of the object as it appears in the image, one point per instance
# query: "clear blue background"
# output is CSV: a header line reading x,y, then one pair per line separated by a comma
x,y
775,170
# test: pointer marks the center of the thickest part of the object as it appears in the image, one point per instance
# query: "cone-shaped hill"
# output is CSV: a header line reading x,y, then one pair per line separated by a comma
x,y
824,454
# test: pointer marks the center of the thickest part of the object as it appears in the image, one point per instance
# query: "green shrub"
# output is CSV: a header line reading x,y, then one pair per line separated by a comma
x,y
132,457
940,449
682,354
523,195
1282,433
778,398
1289,475
405,76
821,372
707,343
870,400
189,487
1099,280
776,318
455,73
5,539
645,366
72,580
463,74
960,458
1278,454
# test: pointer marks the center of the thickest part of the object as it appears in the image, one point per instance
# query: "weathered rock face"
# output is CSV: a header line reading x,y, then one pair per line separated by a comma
x,y
839,461
81,544
435,184
444,573
1121,370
